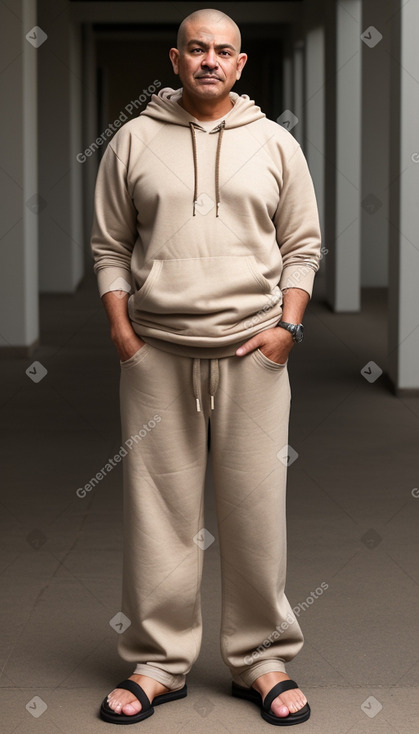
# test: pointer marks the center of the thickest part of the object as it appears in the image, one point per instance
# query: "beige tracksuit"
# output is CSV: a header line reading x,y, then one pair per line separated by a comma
x,y
204,229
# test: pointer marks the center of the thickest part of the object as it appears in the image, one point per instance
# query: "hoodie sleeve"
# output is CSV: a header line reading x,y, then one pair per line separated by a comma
x,y
297,224
114,229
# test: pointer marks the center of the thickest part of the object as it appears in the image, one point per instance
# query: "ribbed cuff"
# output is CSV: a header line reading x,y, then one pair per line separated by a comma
x,y
113,279
298,276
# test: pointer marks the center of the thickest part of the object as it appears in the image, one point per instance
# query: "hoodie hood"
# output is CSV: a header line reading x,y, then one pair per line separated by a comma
x,y
165,107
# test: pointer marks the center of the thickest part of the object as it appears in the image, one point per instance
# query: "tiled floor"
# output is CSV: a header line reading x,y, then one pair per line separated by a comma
x,y
352,523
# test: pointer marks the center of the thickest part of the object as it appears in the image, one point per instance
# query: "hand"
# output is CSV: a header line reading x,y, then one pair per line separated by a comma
x,y
275,344
127,345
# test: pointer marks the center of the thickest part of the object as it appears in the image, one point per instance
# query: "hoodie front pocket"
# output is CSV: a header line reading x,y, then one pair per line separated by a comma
x,y
203,295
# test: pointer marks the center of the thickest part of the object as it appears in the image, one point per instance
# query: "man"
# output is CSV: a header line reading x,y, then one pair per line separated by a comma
x,y
205,236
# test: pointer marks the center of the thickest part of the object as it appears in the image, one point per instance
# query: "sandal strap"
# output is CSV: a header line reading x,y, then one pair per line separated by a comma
x,y
278,688
137,691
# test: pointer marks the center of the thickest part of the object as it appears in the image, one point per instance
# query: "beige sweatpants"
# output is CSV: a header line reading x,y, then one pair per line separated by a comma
x,y
166,401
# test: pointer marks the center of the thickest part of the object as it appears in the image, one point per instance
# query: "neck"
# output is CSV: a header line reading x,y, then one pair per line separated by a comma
x,y
206,110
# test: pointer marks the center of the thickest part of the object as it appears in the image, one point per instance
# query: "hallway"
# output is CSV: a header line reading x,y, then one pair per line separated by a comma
x,y
352,525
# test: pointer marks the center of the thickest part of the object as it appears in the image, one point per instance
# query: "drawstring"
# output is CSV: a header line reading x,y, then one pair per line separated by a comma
x,y
214,379
217,167
195,165
196,382
220,130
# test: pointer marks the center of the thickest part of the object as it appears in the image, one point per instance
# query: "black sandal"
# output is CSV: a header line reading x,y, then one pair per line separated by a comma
x,y
108,714
251,694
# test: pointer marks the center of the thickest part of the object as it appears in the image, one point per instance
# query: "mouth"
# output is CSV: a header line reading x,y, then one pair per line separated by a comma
x,y
209,78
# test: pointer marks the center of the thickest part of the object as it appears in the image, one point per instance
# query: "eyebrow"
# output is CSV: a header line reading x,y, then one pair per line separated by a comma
x,y
205,45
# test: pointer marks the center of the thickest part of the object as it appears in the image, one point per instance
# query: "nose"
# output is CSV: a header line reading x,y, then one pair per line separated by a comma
x,y
209,61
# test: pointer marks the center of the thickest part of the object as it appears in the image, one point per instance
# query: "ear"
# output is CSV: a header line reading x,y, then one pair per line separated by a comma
x,y
241,60
174,58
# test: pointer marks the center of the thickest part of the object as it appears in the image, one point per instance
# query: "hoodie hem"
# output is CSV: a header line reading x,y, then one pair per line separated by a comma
x,y
184,350
204,352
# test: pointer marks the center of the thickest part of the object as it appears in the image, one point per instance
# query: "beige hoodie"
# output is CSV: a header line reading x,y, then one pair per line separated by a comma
x,y
204,229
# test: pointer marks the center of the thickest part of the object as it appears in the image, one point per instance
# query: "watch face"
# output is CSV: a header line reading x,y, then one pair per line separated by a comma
x,y
297,330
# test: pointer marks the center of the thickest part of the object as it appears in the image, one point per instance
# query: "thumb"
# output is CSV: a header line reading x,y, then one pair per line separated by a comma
x,y
249,346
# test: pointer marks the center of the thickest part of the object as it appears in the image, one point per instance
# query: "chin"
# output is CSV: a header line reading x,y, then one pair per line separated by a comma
x,y
209,91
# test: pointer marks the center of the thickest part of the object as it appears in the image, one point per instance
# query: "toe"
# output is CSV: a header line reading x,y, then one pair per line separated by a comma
x,y
115,706
279,709
112,698
112,702
134,707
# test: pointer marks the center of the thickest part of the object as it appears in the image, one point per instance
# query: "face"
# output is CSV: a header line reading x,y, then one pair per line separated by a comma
x,y
209,64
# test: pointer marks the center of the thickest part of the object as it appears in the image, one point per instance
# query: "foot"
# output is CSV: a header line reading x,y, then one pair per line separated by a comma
x,y
124,702
288,702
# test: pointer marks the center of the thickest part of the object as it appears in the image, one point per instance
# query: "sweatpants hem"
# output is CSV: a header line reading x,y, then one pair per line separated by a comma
x,y
248,677
174,682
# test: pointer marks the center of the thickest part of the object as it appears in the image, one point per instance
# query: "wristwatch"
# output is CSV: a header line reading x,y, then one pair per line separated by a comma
x,y
296,330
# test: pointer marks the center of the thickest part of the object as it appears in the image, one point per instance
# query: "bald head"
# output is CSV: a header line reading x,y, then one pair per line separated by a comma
x,y
207,17
208,62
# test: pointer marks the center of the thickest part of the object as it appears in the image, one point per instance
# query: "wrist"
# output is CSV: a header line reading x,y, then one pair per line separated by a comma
x,y
120,332
285,335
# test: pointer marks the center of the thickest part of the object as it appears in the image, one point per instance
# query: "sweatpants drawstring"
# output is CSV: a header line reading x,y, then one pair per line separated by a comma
x,y
214,379
196,381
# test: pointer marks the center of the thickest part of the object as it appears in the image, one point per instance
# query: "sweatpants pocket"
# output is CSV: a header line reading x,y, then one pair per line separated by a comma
x,y
135,358
268,363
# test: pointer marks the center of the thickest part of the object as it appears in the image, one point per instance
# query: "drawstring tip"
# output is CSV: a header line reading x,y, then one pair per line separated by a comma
x,y
194,208
218,206
198,407
212,402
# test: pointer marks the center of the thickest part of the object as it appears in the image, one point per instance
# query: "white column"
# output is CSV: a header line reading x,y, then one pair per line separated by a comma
x,y
376,54
19,321
404,211
346,259
61,233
